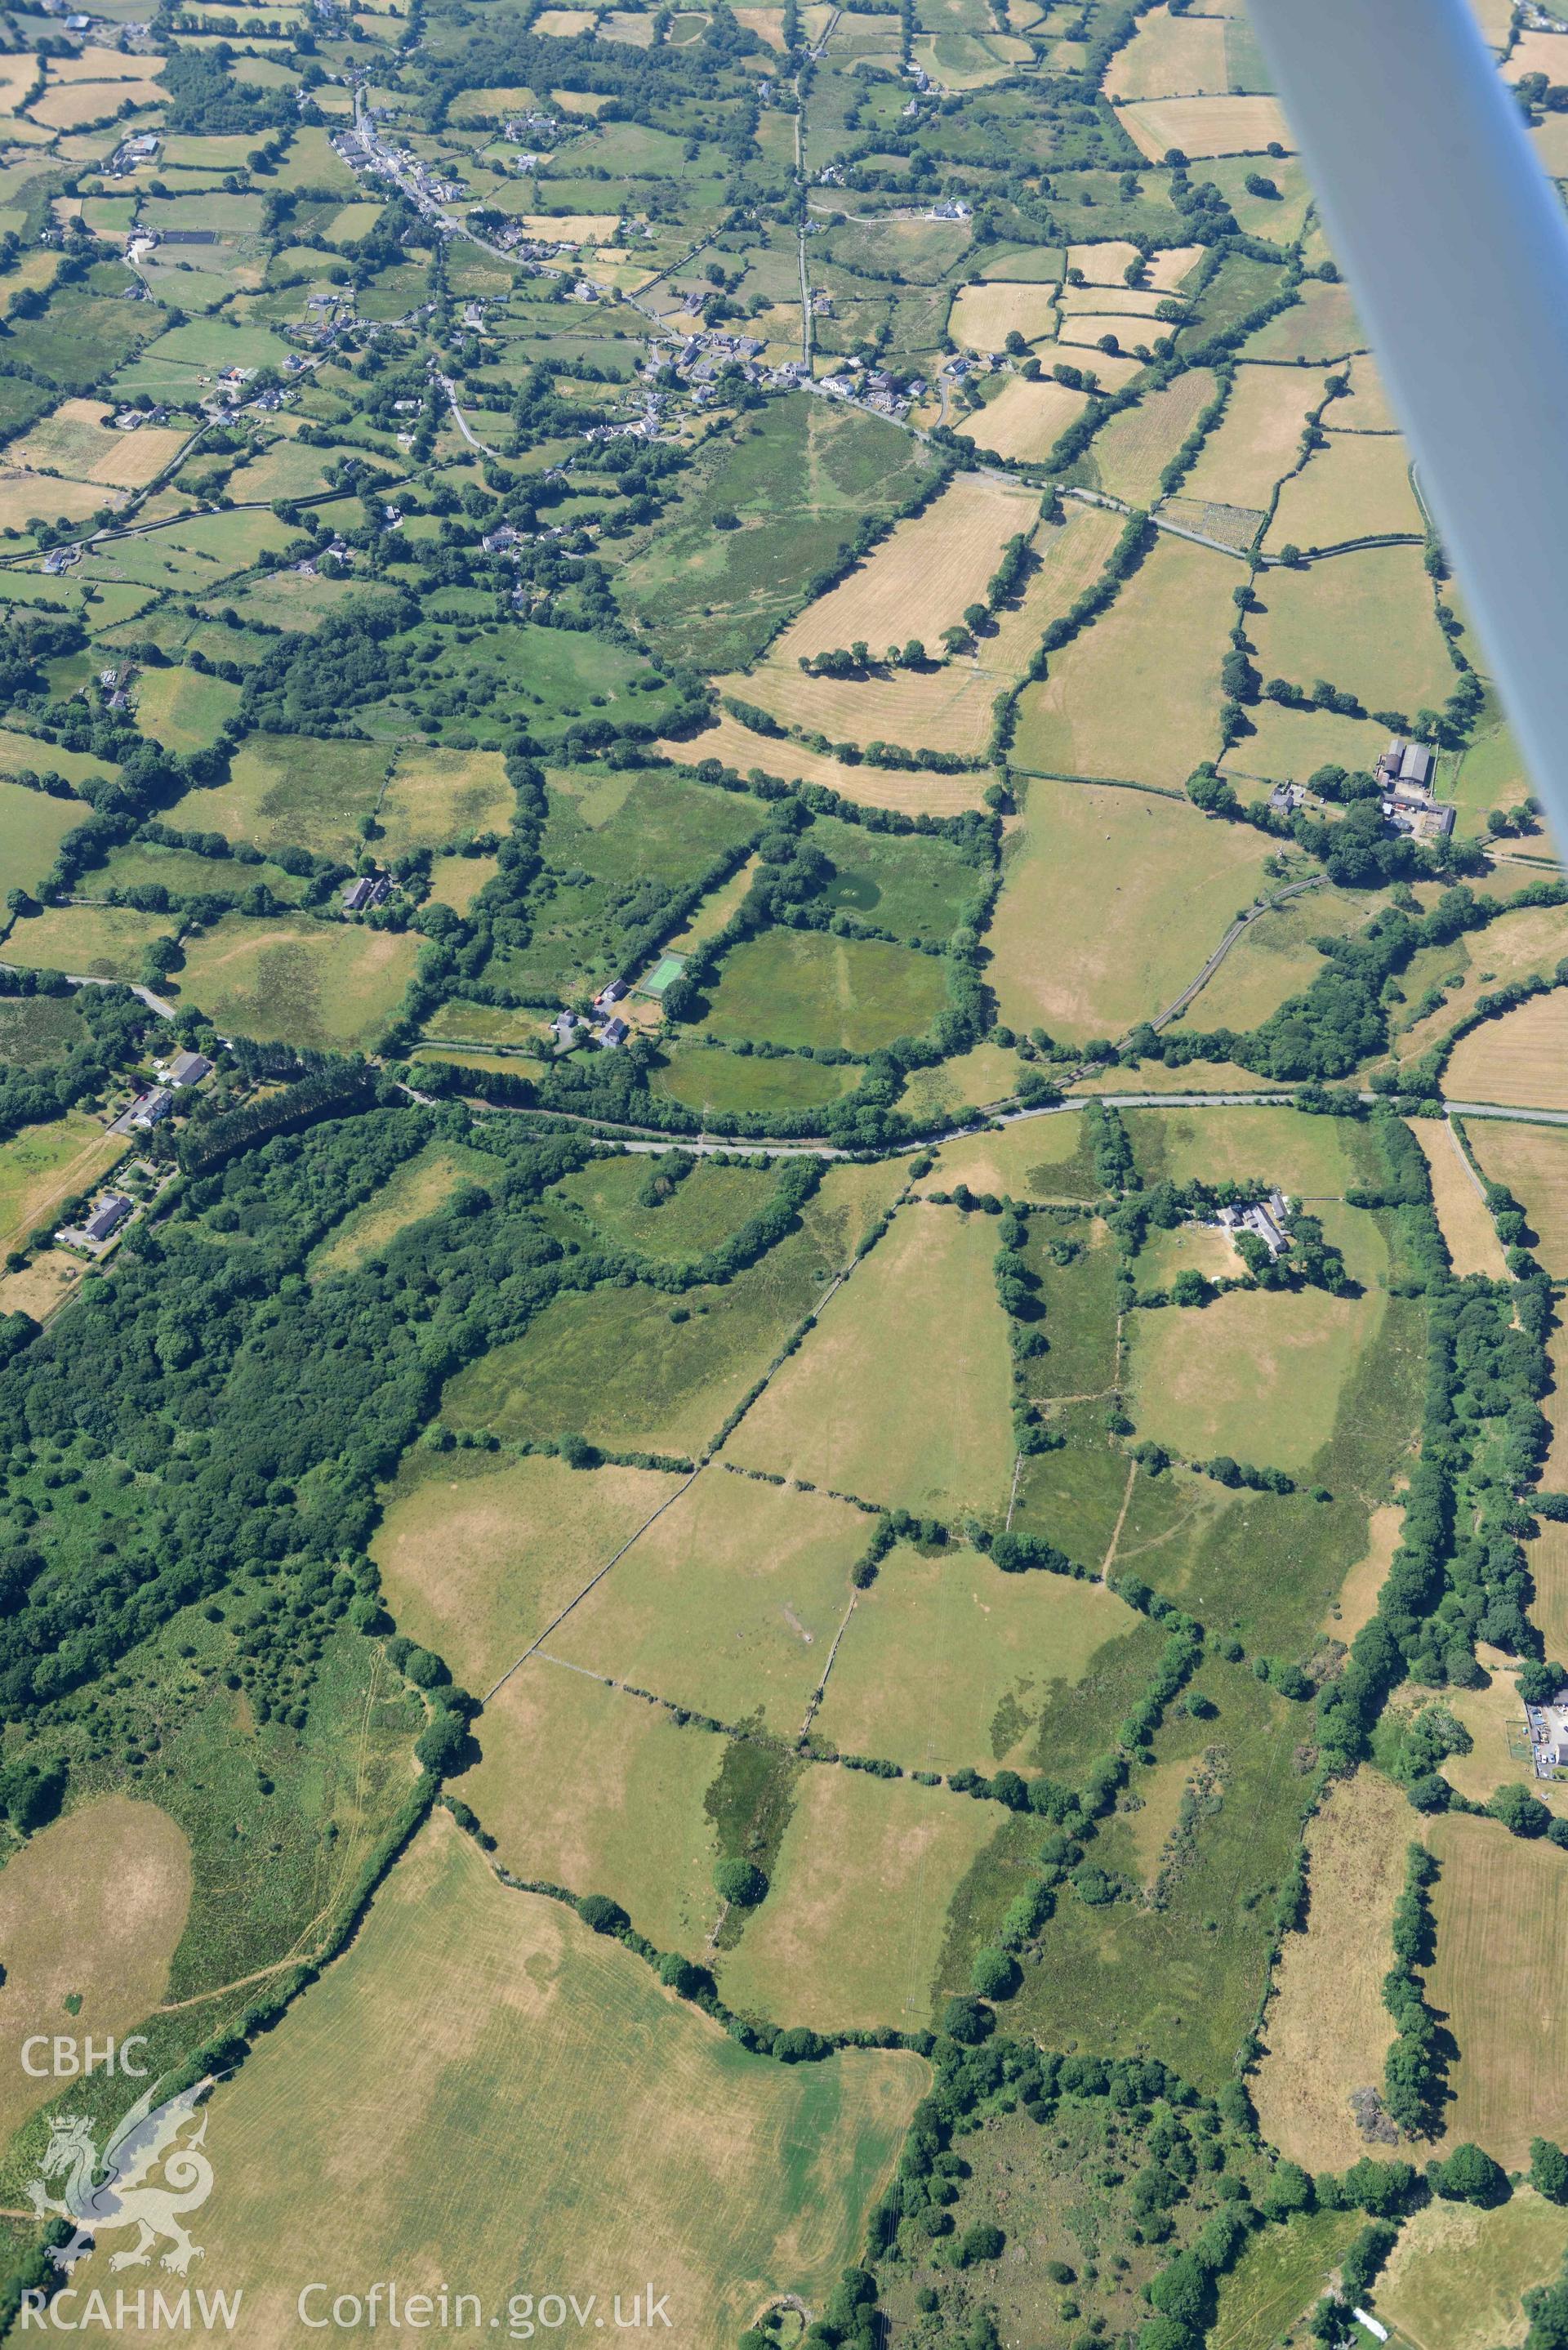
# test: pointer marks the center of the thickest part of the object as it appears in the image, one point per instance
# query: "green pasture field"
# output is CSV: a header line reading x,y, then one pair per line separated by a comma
x,y
698,1213
1492,773
1136,696
30,755
184,872
798,477
851,1933
313,162
82,337
31,827
1185,1977
200,553
917,887
810,988
478,1552
181,360
611,1365
37,1029
1039,1159
482,1023
91,942
557,2014
867,1406
1280,2275
727,1605
43,1165
287,469
987,1073
1278,218
1280,745
715,1082
1456,2278
293,791
947,1662
183,710
318,984
1078,1309
600,1790
605,833
1111,903
1074,1493
415,1189
1301,1154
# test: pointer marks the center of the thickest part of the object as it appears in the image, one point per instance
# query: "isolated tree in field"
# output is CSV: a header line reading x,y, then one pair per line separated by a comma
x,y
739,1881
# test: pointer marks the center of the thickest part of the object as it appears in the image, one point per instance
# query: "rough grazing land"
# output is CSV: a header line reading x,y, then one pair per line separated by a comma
x,y
657,2128
1327,2028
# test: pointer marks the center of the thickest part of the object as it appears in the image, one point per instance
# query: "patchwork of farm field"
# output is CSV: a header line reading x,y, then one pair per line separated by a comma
x,y
673,1609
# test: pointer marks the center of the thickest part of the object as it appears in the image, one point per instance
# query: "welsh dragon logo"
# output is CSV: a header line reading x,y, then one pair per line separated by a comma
x,y
112,2191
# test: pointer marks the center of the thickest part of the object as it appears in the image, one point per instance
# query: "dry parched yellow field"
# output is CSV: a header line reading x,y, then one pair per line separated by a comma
x,y
1465,1218
911,790
1357,487
1519,1061
729,1604
851,1933
1531,1161
91,1908
1258,439
983,316
1169,57
476,1564
1501,1911
1136,696
1327,2028
1135,447
947,1446
948,708
1082,953
619,2134
1025,419
1547,1552
585,1786
919,580
437,795
1205,125
77,441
